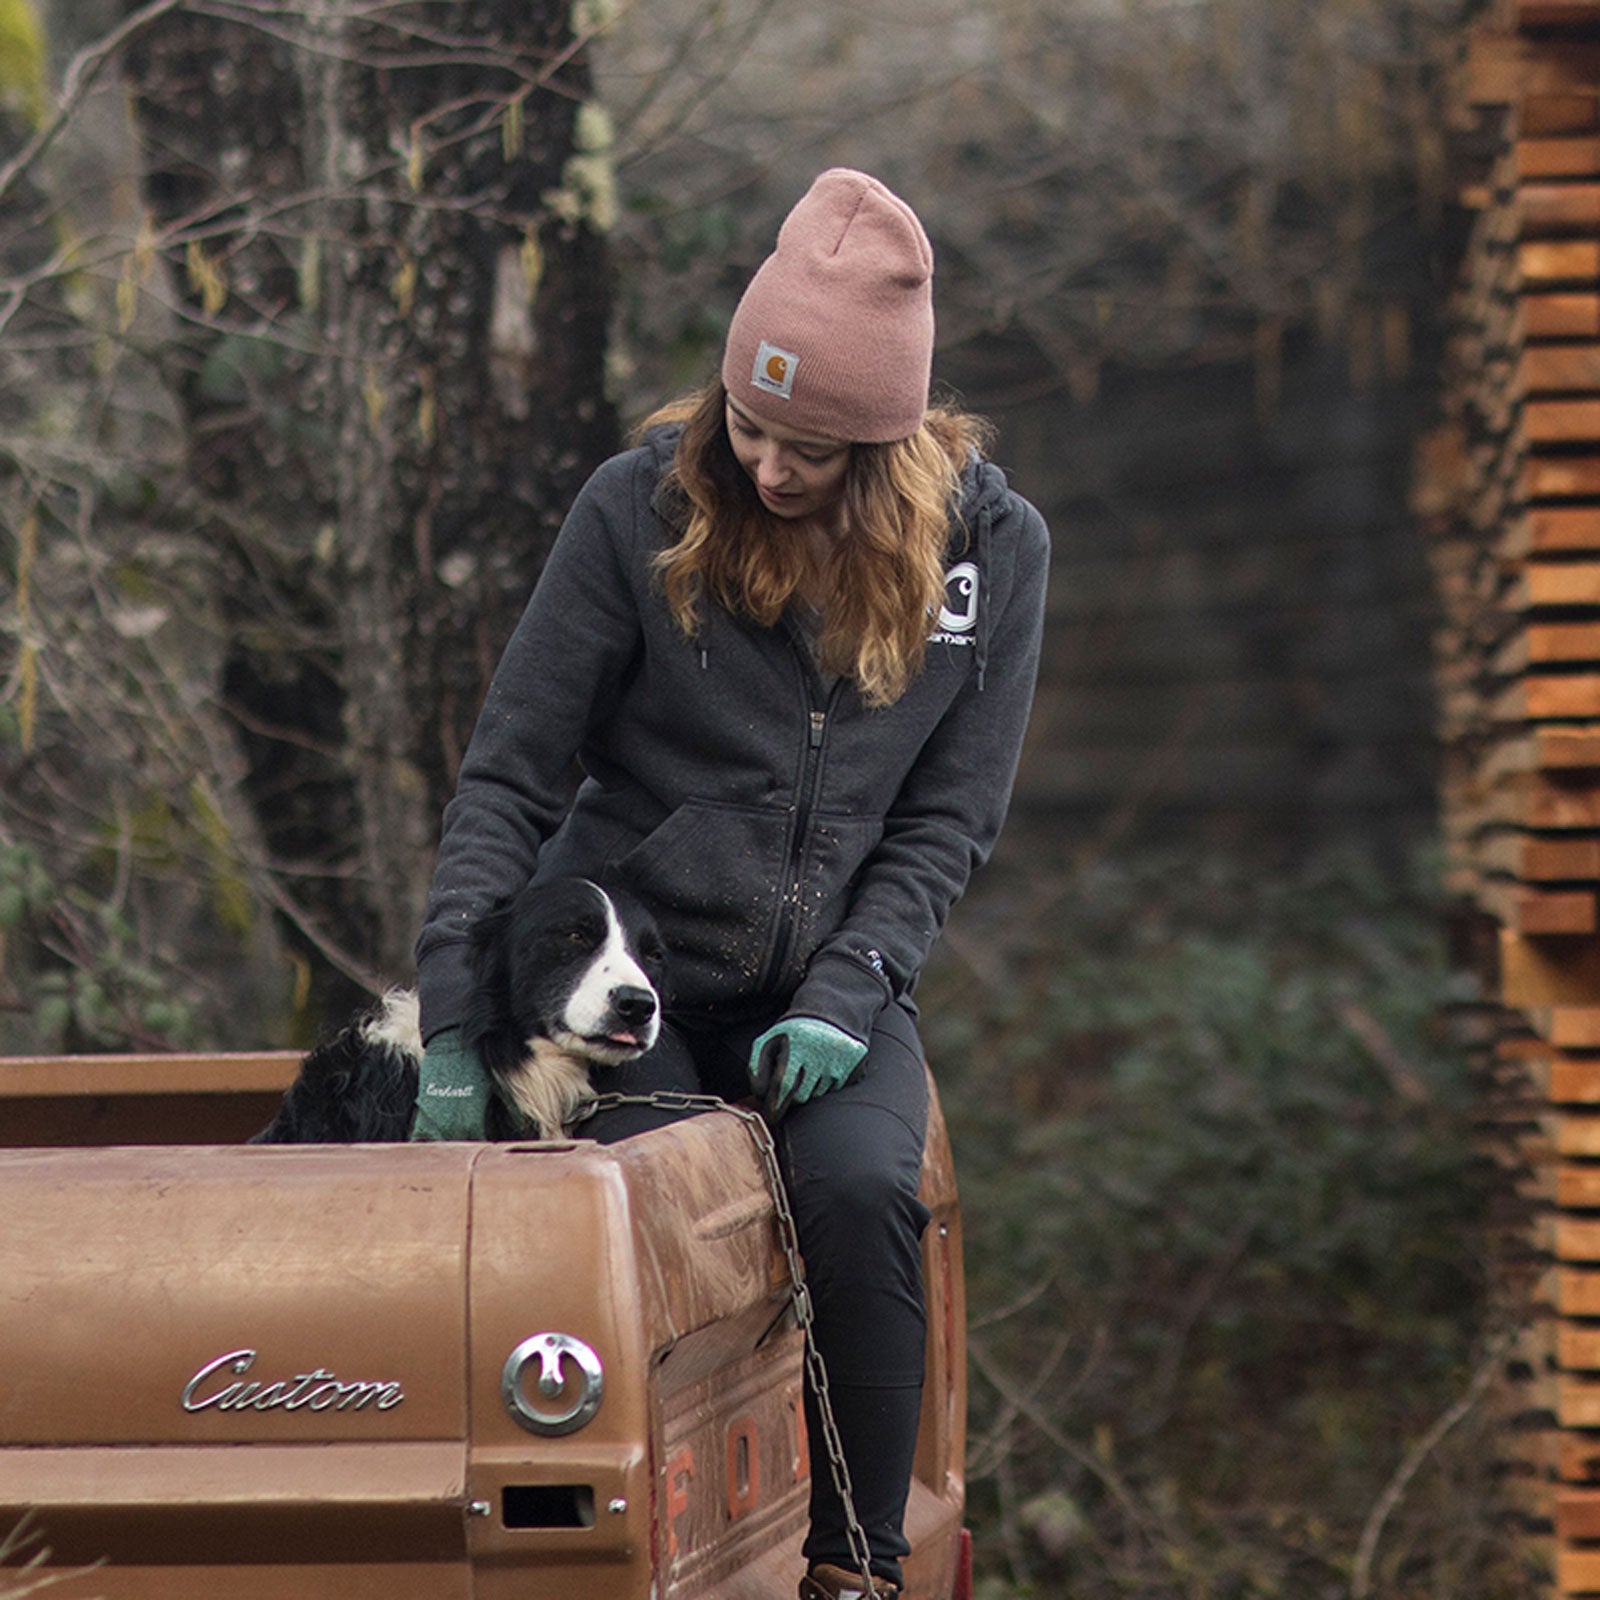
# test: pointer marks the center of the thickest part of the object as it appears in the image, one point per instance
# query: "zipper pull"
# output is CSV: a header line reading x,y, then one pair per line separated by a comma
x,y
819,720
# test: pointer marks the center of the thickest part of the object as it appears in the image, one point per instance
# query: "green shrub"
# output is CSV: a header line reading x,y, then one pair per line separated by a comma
x,y
1222,1206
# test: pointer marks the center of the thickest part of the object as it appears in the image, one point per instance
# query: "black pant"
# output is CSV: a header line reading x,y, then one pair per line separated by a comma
x,y
852,1161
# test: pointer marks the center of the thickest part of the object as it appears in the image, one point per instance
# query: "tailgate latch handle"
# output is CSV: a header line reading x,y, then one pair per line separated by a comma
x,y
582,1391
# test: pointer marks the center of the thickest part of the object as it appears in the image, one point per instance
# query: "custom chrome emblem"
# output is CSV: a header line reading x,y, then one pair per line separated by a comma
x,y
317,1390
577,1397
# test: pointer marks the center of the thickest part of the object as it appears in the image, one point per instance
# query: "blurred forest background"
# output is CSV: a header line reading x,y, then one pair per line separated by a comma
x,y
314,314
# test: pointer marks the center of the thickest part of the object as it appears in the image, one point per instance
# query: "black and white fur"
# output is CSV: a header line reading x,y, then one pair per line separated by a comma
x,y
567,976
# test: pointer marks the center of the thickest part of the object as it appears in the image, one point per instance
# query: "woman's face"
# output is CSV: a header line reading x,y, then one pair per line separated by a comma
x,y
797,475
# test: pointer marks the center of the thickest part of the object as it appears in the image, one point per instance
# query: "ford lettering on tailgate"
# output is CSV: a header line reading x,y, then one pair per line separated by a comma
x,y
733,1473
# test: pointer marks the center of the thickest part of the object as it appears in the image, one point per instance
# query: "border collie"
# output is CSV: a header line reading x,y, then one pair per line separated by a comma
x,y
566,976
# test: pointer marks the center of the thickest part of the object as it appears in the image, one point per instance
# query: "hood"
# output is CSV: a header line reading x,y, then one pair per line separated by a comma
x,y
983,498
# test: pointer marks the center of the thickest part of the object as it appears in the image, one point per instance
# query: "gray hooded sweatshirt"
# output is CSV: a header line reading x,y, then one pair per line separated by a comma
x,y
799,848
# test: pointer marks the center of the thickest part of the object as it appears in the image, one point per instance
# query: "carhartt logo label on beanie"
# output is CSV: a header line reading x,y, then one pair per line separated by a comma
x,y
838,321
774,370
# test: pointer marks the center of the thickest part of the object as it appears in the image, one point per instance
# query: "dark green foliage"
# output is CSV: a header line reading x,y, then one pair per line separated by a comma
x,y
1221,1209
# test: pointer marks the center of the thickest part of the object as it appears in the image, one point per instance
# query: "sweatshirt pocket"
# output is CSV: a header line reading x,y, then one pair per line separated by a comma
x,y
713,874
834,855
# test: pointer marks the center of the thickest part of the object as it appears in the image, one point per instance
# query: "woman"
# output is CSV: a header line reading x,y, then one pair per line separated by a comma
x,y
792,636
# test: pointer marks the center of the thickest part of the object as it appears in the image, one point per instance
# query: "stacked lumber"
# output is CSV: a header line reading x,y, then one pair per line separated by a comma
x,y
1508,490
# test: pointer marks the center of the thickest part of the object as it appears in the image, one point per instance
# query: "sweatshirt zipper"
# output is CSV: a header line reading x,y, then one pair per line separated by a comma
x,y
810,789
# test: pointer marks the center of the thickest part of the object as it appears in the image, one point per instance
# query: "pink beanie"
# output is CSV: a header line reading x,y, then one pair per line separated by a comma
x,y
834,335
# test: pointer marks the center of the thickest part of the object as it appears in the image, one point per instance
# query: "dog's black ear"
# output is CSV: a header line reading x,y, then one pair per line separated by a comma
x,y
488,1023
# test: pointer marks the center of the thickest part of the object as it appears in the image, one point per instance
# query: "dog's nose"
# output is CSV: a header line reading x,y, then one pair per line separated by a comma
x,y
633,1005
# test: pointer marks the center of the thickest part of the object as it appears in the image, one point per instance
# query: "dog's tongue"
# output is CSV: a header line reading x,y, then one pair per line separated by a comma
x,y
624,1038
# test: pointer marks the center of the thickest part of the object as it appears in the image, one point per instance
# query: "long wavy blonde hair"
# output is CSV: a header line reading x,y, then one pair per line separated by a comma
x,y
879,585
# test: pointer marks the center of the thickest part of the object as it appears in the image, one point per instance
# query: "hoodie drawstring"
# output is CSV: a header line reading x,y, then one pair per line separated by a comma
x,y
985,522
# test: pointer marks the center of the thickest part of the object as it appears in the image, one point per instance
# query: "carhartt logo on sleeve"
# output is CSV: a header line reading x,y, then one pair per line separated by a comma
x,y
774,370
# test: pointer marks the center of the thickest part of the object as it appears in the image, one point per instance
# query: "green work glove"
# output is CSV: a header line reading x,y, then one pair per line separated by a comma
x,y
799,1058
452,1090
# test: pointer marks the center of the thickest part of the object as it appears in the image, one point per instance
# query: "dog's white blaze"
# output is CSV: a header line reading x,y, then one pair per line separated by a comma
x,y
588,1012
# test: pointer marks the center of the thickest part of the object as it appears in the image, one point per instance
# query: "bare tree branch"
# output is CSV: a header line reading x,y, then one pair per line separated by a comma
x,y
1394,1490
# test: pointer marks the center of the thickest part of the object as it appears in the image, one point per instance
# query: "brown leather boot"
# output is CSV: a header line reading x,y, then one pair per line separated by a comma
x,y
824,1582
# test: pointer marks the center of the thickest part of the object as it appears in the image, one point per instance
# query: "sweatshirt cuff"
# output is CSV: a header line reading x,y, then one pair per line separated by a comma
x,y
444,984
846,986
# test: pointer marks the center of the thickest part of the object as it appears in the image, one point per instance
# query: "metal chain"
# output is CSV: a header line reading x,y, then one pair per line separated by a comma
x,y
789,1237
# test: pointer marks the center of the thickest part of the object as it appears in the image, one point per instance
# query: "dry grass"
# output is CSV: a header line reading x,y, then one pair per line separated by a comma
x,y
24,1557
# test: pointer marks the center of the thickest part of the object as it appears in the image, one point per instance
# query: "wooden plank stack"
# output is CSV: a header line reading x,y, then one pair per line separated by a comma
x,y
1508,489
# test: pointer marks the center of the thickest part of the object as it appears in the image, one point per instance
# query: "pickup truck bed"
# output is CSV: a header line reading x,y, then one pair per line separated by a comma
x,y
269,1371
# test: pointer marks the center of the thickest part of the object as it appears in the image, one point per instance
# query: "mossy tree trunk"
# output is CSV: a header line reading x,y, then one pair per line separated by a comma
x,y
387,224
